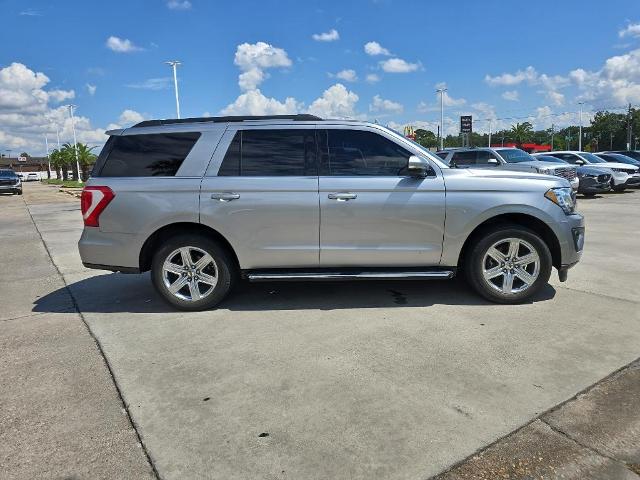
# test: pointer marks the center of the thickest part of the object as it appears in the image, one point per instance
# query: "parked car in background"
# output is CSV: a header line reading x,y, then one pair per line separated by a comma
x,y
507,159
31,176
593,179
203,202
623,175
618,158
10,182
635,154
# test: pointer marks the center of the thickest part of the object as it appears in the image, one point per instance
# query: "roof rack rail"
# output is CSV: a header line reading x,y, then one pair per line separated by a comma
x,y
304,117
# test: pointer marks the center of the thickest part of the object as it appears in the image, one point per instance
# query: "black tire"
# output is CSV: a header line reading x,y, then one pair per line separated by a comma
x,y
226,271
474,263
19,192
589,195
619,188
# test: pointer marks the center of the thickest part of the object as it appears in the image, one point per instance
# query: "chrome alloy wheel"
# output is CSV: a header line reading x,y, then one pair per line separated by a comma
x,y
190,273
510,266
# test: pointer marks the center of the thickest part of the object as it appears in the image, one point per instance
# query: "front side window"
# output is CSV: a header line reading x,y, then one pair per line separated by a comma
x,y
484,157
148,155
461,159
591,158
270,153
358,152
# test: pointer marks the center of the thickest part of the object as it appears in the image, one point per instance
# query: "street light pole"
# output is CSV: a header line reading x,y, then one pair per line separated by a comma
x,y
441,92
46,146
580,137
75,142
174,64
489,134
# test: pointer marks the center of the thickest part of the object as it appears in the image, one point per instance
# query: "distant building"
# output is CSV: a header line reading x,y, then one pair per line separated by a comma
x,y
31,164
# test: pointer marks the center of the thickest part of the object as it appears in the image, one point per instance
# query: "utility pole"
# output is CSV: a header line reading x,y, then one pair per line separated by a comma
x,y
46,146
611,141
552,132
489,133
75,142
441,92
580,131
629,128
174,64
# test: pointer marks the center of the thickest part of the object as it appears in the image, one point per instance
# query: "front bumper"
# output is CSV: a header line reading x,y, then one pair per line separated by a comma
x,y
571,237
633,180
593,185
11,188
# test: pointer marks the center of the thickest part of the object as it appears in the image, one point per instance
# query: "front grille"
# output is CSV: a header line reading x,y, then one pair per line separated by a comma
x,y
6,182
624,170
604,178
568,173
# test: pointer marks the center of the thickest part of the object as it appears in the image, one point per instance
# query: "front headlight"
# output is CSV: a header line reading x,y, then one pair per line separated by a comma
x,y
563,197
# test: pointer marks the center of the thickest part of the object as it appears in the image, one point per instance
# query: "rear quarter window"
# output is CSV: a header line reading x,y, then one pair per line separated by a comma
x,y
147,155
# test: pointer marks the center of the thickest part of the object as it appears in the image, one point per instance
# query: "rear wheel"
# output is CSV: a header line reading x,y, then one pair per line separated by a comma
x,y
508,264
192,272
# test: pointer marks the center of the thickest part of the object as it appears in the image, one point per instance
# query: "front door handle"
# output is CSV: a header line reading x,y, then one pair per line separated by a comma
x,y
342,197
225,196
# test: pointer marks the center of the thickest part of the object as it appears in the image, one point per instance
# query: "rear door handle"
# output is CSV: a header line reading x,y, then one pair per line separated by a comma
x,y
342,197
225,196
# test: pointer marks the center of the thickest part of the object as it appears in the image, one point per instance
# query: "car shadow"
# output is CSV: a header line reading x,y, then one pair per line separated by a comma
x,y
119,293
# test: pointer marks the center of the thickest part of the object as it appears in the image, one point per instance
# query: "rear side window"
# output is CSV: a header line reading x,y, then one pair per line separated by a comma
x,y
270,153
357,152
152,155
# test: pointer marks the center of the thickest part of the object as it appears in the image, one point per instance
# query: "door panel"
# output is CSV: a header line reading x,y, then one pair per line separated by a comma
x,y
273,223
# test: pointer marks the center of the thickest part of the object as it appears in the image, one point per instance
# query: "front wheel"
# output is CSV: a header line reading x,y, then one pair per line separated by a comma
x,y
192,272
508,264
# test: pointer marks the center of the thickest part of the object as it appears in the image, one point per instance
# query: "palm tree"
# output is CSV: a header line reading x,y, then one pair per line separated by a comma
x,y
58,163
86,158
69,153
521,132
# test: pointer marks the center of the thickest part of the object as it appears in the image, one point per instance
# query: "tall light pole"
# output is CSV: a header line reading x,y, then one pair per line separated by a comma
x,y
580,137
441,92
46,146
75,142
174,64
489,133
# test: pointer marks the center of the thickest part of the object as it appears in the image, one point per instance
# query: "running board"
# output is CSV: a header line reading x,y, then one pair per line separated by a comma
x,y
257,276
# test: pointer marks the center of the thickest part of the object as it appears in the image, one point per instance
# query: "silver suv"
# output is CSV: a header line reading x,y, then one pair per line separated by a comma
x,y
508,158
204,202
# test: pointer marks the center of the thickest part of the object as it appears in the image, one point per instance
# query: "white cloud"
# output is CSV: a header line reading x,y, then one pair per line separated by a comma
x,y
254,58
511,95
91,89
509,79
631,30
556,97
254,102
374,48
160,83
330,36
447,101
178,4
130,117
381,105
348,75
28,110
372,78
616,83
398,65
121,45
335,102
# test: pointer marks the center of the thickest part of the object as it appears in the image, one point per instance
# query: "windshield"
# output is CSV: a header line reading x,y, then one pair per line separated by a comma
x,y
7,173
624,159
549,158
591,158
515,155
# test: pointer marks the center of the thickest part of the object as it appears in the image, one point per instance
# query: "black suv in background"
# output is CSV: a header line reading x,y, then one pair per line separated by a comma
x,y
10,182
592,179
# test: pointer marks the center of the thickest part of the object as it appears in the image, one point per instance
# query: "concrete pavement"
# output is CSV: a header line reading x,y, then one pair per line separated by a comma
x,y
385,380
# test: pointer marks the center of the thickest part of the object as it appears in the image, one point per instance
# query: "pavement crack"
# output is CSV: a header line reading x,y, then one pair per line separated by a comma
x,y
125,407
598,294
35,314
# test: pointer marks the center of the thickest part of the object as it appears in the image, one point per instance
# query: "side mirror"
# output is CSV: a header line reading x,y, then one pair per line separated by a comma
x,y
493,162
417,166
579,162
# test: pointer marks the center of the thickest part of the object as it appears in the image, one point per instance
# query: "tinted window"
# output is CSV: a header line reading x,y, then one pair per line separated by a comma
x,y
7,173
442,155
515,155
483,157
146,155
464,158
549,158
356,152
269,153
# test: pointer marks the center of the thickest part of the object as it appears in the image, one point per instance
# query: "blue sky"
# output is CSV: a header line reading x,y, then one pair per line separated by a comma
x,y
499,60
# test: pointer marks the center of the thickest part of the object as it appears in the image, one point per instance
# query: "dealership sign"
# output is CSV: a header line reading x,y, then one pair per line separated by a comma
x,y
466,124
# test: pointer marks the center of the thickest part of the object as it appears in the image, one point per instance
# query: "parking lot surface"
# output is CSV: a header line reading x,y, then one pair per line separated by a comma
x,y
388,380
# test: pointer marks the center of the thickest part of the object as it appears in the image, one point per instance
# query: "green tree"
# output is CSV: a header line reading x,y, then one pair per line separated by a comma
x,y
69,153
24,154
521,132
609,130
426,138
86,158
58,163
